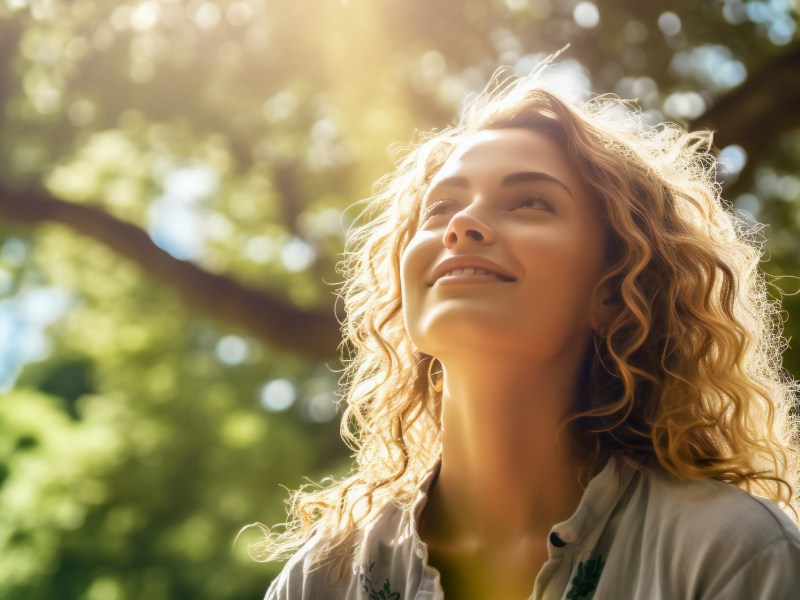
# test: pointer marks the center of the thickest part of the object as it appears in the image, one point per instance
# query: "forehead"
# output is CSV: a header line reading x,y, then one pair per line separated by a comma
x,y
504,150
486,157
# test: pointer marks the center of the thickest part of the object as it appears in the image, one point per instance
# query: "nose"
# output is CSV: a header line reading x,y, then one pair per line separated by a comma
x,y
465,224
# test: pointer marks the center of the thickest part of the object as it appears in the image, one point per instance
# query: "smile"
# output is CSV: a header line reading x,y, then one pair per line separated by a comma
x,y
468,276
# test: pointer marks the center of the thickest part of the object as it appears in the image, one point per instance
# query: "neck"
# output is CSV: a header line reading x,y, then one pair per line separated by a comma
x,y
506,476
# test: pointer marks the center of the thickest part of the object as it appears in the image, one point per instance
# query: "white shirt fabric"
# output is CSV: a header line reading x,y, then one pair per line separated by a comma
x,y
638,537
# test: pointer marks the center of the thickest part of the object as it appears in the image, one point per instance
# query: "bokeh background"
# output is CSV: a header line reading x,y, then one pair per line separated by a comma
x,y
176,180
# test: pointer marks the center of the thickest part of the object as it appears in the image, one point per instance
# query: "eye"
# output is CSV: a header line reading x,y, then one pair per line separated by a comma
x,y
434,208
533,198
528,199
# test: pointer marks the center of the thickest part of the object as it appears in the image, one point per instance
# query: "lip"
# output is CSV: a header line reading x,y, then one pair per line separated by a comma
x,y
469,261
451,280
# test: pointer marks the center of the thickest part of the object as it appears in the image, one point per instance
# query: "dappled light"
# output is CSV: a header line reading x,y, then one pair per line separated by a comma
x,y
178,180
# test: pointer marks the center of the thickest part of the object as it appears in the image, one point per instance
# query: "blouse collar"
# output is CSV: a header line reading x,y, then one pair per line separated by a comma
x,y
587,522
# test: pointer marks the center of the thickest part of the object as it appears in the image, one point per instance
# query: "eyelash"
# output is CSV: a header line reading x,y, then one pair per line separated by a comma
x,y
526,198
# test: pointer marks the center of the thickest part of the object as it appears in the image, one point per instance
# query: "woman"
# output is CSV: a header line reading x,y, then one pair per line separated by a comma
x,y
566,380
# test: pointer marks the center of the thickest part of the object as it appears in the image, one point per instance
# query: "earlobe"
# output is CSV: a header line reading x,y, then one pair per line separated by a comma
x,y
607,310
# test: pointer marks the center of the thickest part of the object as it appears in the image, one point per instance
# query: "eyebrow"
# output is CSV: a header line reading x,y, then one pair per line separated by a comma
x,y
508,180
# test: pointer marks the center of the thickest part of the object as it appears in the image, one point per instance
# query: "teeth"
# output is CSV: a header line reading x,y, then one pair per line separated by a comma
x,y
470,272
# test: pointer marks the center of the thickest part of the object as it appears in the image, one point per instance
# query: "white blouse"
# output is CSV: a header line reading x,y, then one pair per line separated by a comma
x,y
633,536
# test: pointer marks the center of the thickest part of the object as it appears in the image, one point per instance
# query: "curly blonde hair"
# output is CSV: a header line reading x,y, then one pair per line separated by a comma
x,y
687,376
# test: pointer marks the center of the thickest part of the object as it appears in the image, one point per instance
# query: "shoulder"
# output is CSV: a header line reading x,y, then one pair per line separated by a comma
x,y
304,576
771,573
718,510
720,541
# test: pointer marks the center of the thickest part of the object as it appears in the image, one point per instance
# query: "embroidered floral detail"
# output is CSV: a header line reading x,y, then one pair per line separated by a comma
x,y
586,579
381,594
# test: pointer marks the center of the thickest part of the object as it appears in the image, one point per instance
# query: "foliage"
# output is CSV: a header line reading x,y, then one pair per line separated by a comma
x,y
144,430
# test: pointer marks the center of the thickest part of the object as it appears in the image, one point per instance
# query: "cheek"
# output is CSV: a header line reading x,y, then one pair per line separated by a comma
x,y
409,291
416,262
409,275
415,259
406,263
554,249
566,260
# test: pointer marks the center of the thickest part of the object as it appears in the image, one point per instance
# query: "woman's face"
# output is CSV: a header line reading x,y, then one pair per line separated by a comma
x,y
510,196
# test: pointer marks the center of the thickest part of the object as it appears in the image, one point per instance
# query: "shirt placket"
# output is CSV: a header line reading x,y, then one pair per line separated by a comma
x,y
562,547
574,540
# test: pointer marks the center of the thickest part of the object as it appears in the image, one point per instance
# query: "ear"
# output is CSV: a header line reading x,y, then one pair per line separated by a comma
x,y
608,307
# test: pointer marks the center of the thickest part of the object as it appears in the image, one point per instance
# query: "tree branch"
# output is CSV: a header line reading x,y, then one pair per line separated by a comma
x,y
751,115
10,33
754,114
315,334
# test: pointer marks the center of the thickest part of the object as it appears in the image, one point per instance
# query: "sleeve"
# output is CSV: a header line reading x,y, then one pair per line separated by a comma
x,y
288,585
292,581
277,589
303,579
773,573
